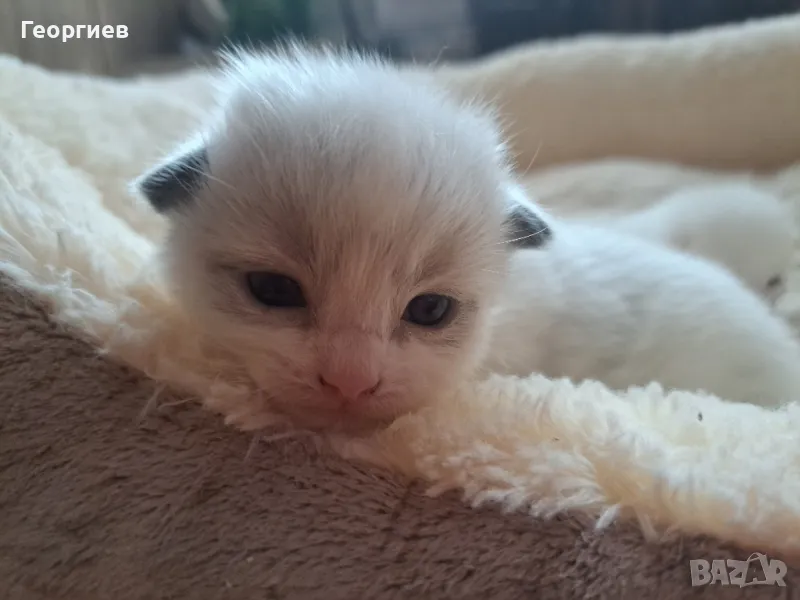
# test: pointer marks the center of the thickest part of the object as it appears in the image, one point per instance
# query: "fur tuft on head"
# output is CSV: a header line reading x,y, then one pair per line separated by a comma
x,y
349,232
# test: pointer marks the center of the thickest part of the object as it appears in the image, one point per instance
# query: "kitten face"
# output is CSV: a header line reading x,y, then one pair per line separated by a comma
x,y
345,234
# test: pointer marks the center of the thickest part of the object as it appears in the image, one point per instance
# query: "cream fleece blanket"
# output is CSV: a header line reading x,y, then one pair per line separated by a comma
x,y
72,235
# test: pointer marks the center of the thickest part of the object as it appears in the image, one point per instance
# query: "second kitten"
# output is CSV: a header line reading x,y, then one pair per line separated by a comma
x,y
746,230
600,304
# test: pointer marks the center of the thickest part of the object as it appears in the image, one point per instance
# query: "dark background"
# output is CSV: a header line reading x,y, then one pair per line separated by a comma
x,y
167,35
495,24
500,23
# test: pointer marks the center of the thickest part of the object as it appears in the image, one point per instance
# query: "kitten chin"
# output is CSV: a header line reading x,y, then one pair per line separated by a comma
x,y
345,228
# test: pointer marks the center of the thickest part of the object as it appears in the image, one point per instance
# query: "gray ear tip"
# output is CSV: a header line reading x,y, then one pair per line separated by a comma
x,y
136,187
526,229
160,186
173,183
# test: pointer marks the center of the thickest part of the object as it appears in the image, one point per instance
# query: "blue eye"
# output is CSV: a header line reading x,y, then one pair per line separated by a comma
x,y
274,290
430,310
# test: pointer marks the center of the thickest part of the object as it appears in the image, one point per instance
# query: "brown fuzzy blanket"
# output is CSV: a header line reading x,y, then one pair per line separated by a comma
x,y
98,504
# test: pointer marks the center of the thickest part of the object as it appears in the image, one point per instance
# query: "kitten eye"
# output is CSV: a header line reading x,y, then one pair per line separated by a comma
x,y
430,310
775,282
275,290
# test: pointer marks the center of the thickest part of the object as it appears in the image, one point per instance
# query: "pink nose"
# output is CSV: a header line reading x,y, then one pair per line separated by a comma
x,y
350,384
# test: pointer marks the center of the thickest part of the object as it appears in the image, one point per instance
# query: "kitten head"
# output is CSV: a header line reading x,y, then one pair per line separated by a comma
x,y
344,229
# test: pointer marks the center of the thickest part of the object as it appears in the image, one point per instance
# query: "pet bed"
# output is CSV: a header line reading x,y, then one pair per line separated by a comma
x,y
93,505
96,503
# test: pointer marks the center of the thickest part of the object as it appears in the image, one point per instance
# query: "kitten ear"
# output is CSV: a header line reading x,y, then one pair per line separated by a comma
x,y
525,222
173,182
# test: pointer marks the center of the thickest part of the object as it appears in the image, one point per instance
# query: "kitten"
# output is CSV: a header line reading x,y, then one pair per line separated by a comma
x,y
348,230
343,228
736,225
600,304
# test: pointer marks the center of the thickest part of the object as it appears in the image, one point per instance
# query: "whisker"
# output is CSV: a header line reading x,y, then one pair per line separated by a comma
x,y
209,176
533,160
252,447
175,403
437,61
524,237
276,437
151,403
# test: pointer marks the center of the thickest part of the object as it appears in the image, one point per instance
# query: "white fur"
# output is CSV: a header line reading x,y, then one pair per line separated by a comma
x,y
739,226
69,144
723,97
601,305
308,177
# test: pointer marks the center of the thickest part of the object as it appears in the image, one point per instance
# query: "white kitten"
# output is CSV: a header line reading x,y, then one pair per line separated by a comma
x,y
347,229
598,304
736,225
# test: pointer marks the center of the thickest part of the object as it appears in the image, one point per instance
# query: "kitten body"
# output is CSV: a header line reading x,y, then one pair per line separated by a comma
x,y
737,225
347,230
599,304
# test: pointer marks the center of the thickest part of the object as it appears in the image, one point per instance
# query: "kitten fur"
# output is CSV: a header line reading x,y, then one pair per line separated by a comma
x,y
737,225
604,305
368,187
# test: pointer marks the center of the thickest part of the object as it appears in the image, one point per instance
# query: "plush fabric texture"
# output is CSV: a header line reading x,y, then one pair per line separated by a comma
x,y
74,238
96,503
723,97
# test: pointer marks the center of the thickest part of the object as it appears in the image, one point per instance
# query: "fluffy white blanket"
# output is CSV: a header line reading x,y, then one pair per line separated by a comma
x,y
72,235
